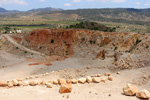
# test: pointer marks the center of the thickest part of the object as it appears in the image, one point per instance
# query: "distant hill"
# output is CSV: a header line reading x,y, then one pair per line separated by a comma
x,y
120,15
2,10
45,9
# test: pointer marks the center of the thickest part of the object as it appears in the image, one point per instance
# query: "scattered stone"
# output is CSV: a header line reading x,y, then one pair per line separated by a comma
x,y
25,83
48,84
110,78
89,79
43,83
15,82
103,79
61,81
55,82
20,83
74,81
67,96
10,84
109,95
96,79
69,81
46,74
118,73
65,88
33,83
98,75
31,77
144,94
130,90
107,74
82,80
3,84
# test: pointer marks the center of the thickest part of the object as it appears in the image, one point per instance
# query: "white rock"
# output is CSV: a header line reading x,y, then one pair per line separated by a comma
x,y
48,84
89,79
130,90
33,83
25,83
74,81
82,80
15,82
96,79
103,79
144,94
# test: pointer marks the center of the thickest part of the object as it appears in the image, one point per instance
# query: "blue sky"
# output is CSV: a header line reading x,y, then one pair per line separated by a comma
x,y
72,4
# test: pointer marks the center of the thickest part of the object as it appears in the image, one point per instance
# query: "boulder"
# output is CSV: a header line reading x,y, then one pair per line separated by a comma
x,y
89,79
33,83
96,79
74,81
43,83
61,81
110,78
69,81
130,90
20,83
55,82
3,84
103,79
25,83
82,80
10,84
15,82
144,94
65,88
48,84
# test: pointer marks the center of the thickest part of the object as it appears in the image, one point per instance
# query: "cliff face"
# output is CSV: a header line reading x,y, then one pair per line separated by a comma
x,y
80,43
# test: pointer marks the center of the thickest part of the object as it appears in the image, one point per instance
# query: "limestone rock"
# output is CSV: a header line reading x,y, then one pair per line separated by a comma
x,y
55,82
144,94
107,74
82,80
61,81
15,82
3,84
20,83
96,79
33,83
48,84
118,72
130,90
69,81
74,81
110,78
89,79
10,84
65,88
103,79
25,83
43,83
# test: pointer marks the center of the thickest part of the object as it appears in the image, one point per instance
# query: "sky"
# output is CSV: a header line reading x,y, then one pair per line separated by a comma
x,y
24,5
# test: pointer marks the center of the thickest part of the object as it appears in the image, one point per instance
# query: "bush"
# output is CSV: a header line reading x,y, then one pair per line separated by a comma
x,y
52,41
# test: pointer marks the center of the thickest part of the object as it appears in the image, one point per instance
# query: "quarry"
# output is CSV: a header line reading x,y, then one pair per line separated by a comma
x,y
74,64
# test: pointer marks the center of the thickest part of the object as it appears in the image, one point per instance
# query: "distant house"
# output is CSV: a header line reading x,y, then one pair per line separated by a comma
x,y
18,31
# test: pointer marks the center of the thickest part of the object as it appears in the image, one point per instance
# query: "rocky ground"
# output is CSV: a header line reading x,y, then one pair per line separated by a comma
x,y
30,76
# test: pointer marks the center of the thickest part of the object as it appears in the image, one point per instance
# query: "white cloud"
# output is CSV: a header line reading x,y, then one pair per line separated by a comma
x,y
147,4
76,0
138,3
108,0
42,0
67,4
16,2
